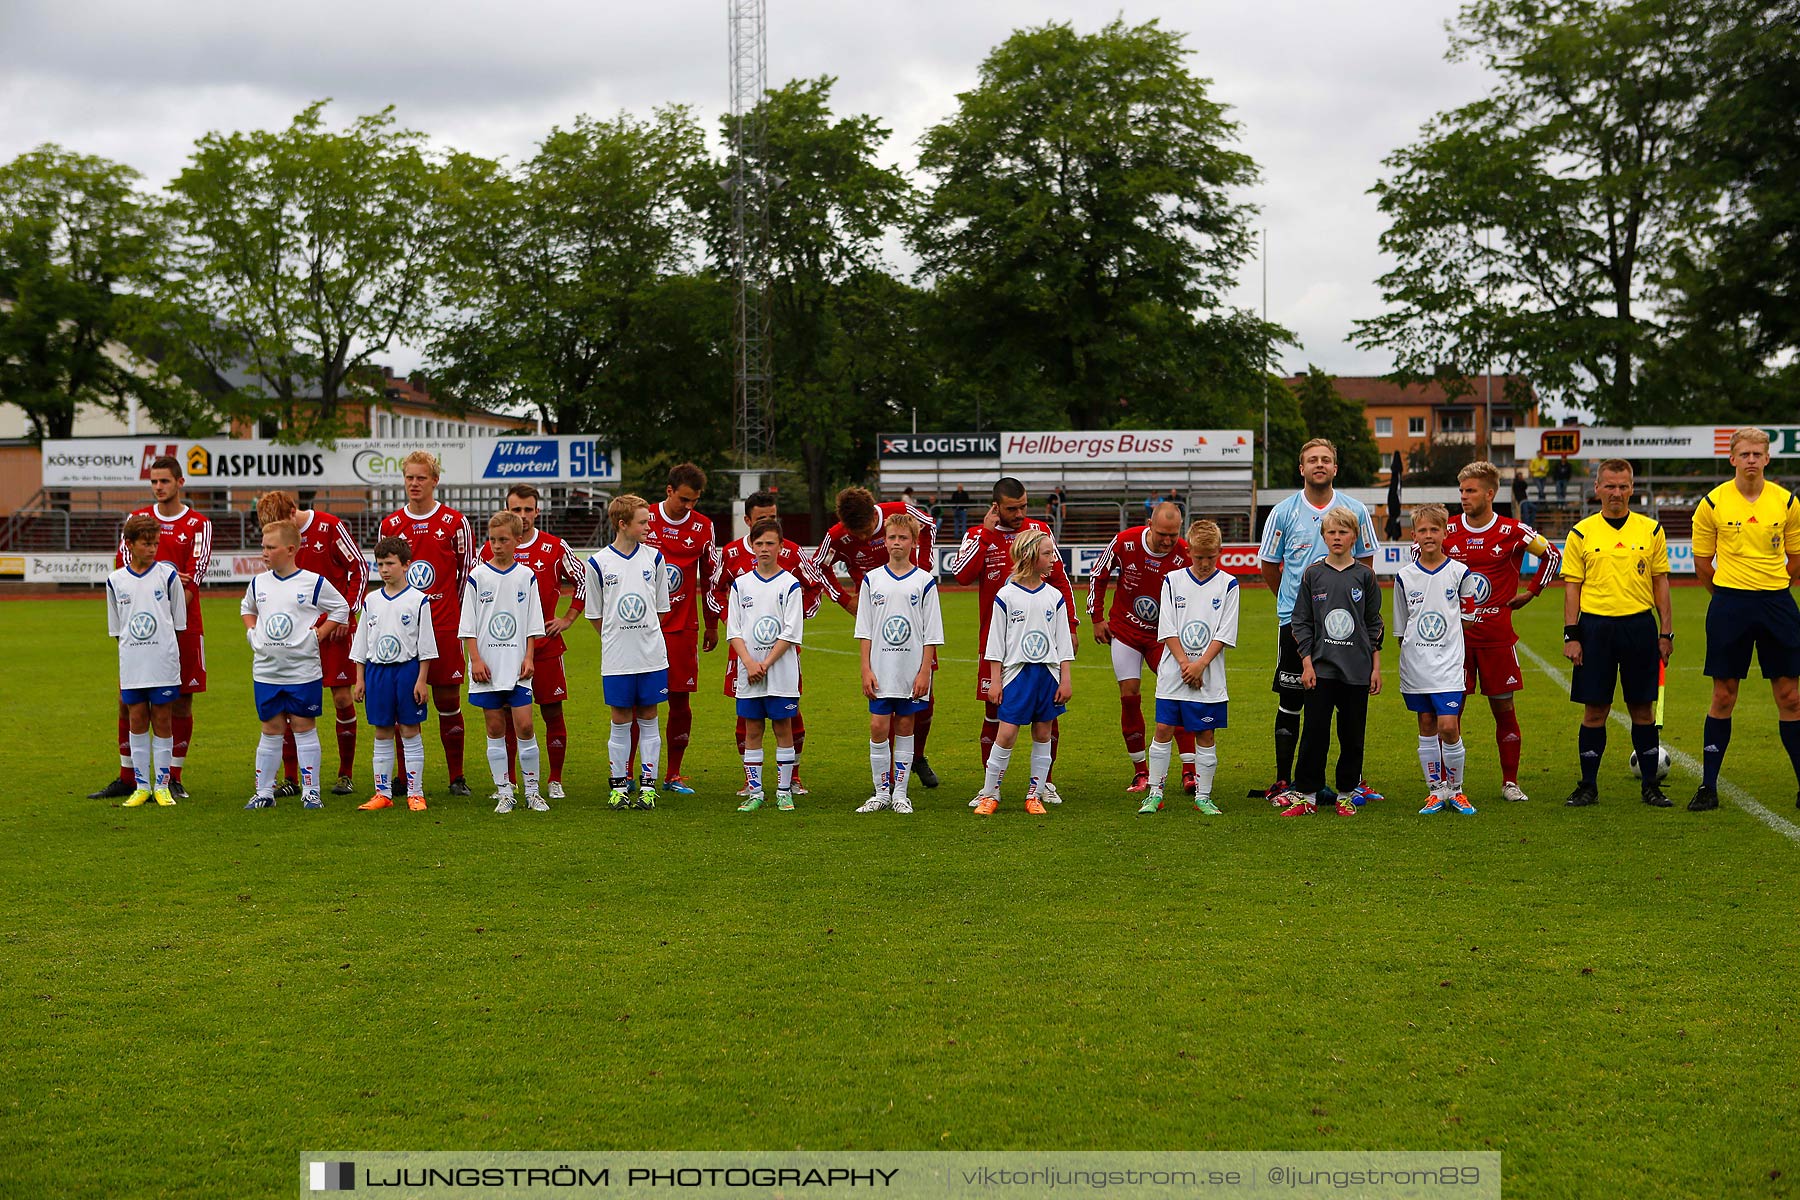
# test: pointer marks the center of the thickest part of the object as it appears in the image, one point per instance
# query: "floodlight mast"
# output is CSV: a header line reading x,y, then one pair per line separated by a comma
x,y
753,425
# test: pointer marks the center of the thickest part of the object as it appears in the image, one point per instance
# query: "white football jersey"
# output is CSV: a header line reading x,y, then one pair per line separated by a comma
x,y
1428,617
286,609
1028,625
501,611
394,629
1199,612
627,594
145,612
898,616
761,612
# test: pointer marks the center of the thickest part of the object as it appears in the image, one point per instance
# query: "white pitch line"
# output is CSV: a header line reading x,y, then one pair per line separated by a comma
x,y
1686,761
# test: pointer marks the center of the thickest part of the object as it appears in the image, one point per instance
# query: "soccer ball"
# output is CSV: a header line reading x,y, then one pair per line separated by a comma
x,y
1662,764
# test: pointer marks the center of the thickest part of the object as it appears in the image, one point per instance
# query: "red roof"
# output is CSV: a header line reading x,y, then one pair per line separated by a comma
x,y
1375,391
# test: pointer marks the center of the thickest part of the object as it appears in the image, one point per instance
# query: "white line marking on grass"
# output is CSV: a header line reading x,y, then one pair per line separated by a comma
x,y
1686,761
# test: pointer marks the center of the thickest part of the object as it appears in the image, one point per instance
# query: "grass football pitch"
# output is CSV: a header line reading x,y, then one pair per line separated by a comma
x,y
194,995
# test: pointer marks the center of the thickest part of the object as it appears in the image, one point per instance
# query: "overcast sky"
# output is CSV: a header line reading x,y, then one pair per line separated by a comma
x,y
1323,90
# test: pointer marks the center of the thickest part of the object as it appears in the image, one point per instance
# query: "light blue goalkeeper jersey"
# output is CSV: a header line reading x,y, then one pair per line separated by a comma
x,y
1292,538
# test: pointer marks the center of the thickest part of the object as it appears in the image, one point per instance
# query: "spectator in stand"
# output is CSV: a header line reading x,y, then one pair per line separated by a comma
x,y
1054,504
1522,510
1561,472
959,500
1540,471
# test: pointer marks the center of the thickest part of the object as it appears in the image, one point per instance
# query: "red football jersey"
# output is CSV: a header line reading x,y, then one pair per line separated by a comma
x,y
861,555
327,549
1494,554
185,544
550,559
1138,599
737,559
986,556
691,558
443,550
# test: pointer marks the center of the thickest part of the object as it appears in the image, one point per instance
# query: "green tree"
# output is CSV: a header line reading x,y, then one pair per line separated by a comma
x,y
573,292
1327,414
1080,224
80,248
1533,228
839,356
303,255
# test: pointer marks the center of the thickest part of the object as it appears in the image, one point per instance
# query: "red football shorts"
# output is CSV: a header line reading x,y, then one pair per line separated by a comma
x,y
981,684
1494,668
334,658
446,669
684,659
549,682
192,644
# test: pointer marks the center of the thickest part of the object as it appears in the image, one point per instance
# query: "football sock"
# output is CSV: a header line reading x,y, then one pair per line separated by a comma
x,y
496,756
414,750
879,761
1055,741
903,760
753,764
290,758
618,748
268,761
183,729
1591,744
1040,761
140,757
346,740
528,765
799,727
784,768
998,759
1455,756
1714,738
740,737
1431,760
450,732
556,740
990,727
163,752
1790,741
922,725
1131,723
1184,742
1158,762
125,765
1206,765
681,724
383,766
306,745
1287,741
1645,742
512,746
1508,739
649,747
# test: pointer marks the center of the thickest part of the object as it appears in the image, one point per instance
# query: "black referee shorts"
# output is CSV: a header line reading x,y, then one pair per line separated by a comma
x,y
1739,620
1617,649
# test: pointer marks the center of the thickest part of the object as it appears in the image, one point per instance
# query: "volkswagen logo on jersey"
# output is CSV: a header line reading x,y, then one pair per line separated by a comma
x,y
672,573
632,608
387,649
503,628
1476,587
1339,623
1195,636
1432,627
1035,646
1144,608
765,631
896,631
279,627
421,575
143,626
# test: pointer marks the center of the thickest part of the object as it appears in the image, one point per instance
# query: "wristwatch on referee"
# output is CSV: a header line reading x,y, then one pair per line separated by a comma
x,y
1665,636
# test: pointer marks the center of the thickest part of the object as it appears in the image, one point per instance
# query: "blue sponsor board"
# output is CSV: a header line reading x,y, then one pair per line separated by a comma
x,y
544,459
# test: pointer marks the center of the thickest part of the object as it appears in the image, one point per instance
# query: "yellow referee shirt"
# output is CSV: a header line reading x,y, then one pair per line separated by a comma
x,y
1749,542
1614,565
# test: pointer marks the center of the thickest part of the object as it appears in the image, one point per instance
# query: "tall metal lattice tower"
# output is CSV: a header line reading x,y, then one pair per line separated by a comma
x,y
753,423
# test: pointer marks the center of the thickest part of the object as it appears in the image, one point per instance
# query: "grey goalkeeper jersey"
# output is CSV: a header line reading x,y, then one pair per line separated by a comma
x,y
1337,620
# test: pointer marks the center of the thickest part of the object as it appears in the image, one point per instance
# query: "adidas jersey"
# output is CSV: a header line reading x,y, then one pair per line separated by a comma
x,y
394,629
1749,540
985,559
284,647
1429,612
690,558
548,558
1615,564
738,559
326,548
1494,555
860,555
443,550
1028,626
501,611
898,616
761,612
1199,612
1138,600
1292,538
145,612
186,545
627,594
